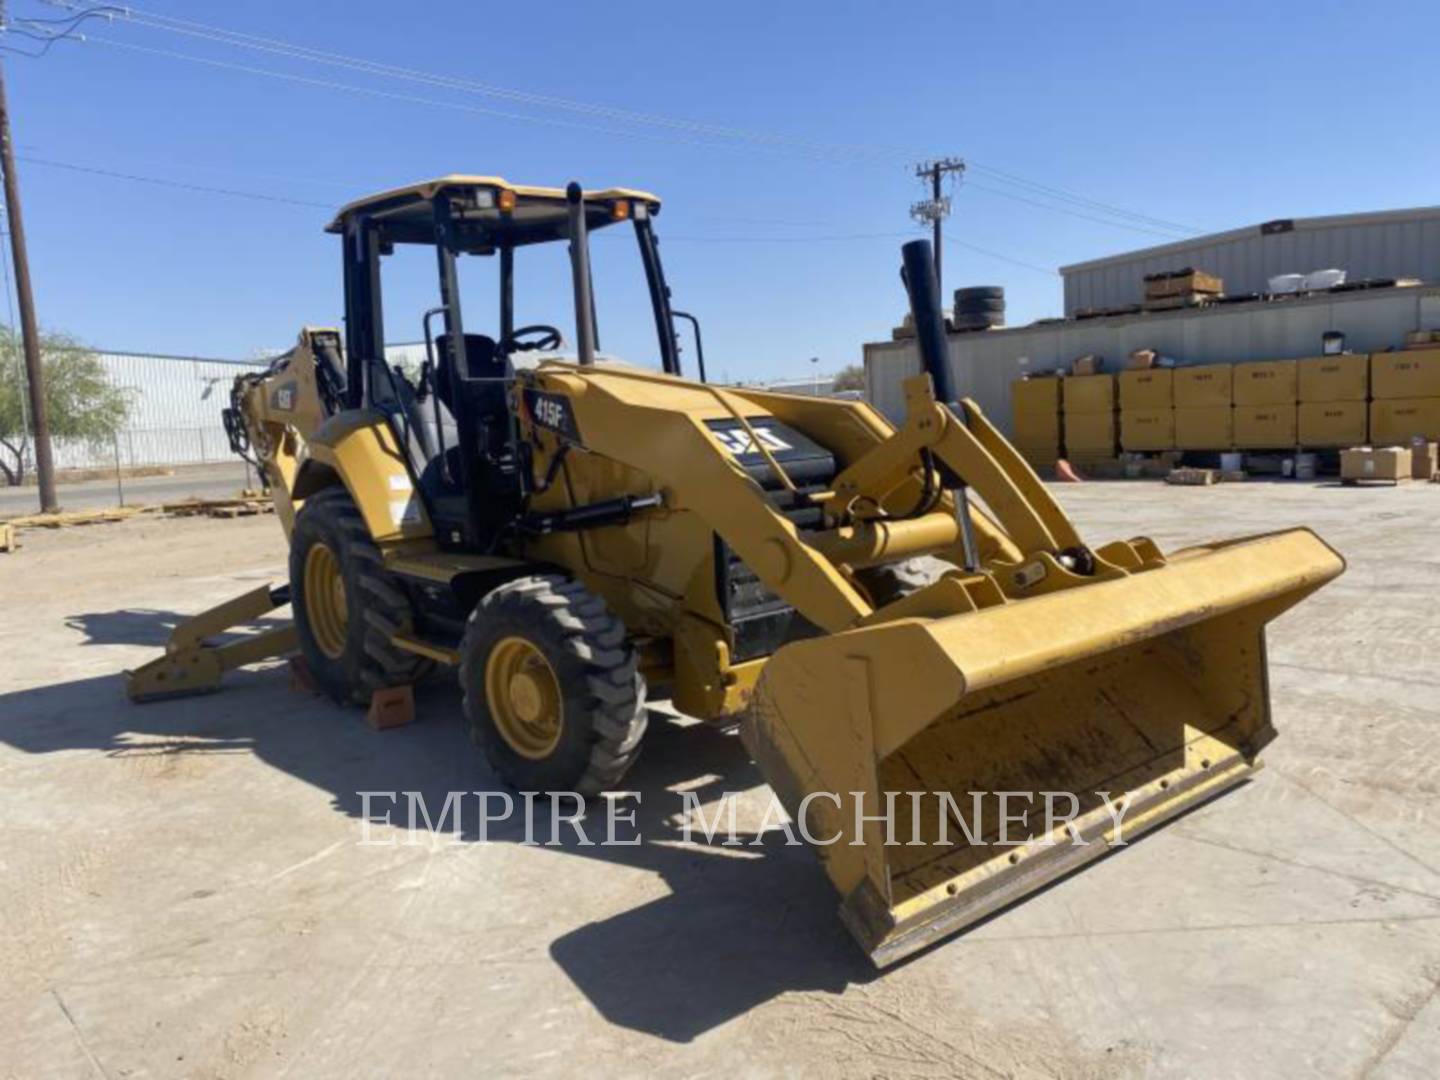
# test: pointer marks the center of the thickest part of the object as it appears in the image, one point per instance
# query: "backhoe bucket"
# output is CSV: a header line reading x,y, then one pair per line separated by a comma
x,y
1113,705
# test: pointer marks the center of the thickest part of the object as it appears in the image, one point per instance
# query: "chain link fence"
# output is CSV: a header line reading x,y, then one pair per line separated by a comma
x,y
172,413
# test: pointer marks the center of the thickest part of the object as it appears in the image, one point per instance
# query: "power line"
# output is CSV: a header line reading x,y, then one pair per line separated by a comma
x,y
281,47
1081,200
680,238
1168,235
38,29
752,138
162,181
1048,271
391,95
817,238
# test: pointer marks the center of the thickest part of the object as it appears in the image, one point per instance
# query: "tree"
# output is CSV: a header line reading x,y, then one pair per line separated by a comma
x,y
79,398
851,377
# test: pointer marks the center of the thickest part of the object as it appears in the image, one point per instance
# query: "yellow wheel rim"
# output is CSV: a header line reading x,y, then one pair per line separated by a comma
x,y
524,697
326,609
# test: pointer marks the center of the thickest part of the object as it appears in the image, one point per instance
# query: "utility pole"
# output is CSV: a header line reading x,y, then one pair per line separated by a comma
x,y
29,332
936,208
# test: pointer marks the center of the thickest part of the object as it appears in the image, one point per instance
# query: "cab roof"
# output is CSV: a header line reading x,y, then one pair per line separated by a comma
x,y
536,214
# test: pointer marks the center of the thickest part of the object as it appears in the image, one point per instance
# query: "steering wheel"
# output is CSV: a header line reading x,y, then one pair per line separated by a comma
x,y
549,339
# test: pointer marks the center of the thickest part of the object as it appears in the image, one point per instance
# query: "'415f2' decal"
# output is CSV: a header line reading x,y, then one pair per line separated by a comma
x,y
553,413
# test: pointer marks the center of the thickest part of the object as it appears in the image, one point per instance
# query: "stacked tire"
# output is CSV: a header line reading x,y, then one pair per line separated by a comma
x,y
979,307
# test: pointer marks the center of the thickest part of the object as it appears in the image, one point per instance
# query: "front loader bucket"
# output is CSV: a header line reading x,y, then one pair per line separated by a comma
x,y
1140,697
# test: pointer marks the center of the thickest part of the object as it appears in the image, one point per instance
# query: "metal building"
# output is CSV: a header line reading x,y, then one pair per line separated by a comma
x,y
1385,244
985,364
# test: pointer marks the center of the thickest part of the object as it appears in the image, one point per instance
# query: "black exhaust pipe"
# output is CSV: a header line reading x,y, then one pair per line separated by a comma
x,y
580,271
921,282
918,273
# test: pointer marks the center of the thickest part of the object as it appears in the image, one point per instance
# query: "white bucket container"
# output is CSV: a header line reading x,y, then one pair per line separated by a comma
x,y
1232,462
1305,466
1319,280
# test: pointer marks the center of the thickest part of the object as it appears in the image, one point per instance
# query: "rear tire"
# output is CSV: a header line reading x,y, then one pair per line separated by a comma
x,y
553,695
346,605
893,581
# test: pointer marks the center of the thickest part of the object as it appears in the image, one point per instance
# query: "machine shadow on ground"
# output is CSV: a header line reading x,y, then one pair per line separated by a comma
x,y
739,926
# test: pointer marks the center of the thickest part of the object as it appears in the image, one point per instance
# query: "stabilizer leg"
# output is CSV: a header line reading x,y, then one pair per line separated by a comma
x,y
193,665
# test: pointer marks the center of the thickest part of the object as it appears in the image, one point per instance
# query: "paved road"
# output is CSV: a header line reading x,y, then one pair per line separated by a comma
x,y
203,481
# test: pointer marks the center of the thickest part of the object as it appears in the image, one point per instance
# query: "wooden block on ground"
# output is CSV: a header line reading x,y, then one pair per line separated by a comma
x,y
1193,477
392,707
302,680
7,537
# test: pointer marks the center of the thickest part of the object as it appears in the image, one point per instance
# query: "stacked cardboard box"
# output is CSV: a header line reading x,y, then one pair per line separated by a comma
x,y
1360,463
1147,409
1203,407
1088,407
1266,416
1334,393
1406,390
1035,419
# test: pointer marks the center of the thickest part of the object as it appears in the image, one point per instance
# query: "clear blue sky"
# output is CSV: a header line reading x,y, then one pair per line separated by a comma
x,y
1212,116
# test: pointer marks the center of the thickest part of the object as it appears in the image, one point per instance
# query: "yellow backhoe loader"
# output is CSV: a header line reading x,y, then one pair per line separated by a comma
x,y
883,609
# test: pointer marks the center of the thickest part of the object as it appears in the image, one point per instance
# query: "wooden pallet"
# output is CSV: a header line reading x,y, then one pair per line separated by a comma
x,y
66,518
1182,282
1177,303
1108,312
219,508
1187,476
240,510
1193,477
1363,284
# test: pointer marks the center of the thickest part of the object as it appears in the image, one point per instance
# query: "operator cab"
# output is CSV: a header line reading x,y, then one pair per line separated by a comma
x,y
456,420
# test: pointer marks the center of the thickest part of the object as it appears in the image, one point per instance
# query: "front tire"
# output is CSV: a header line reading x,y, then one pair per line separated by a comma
x,y
346,605
552,692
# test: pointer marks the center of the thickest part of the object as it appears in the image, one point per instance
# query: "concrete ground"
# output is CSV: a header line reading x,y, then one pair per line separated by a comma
x,y
218,481
183,890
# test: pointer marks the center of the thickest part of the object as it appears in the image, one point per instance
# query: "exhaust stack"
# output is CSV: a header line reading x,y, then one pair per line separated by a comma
x,y
918,273
580,269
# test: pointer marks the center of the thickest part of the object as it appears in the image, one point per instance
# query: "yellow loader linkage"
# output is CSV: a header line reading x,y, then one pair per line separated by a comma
x,y
193,663
914,637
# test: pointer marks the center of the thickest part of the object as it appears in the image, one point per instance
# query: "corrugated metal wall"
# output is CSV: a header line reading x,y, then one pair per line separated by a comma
x,y
175,405
1394,247
174,416
985,364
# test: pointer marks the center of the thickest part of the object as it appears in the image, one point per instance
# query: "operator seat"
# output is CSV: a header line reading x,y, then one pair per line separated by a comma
x,y
483,396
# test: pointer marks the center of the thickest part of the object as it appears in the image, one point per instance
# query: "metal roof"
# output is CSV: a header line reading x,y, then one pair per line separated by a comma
x,y
538,214
1282,225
